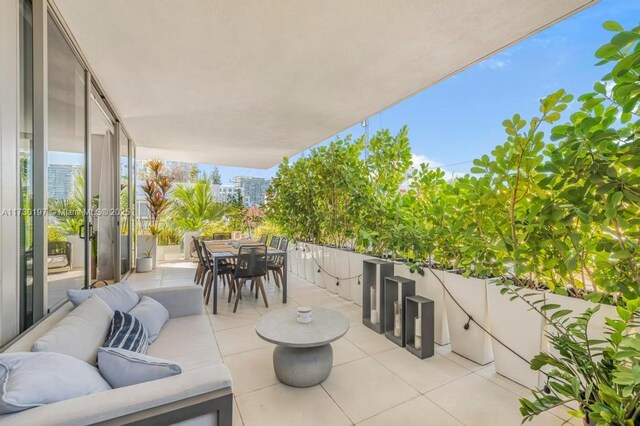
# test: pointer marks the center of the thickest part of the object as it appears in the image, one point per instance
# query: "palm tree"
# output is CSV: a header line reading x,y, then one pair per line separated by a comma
x,y
194,206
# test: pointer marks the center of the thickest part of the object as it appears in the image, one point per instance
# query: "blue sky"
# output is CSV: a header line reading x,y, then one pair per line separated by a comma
x,y
460,118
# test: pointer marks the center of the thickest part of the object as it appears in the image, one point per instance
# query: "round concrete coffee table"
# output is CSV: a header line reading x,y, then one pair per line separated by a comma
x,y
303,356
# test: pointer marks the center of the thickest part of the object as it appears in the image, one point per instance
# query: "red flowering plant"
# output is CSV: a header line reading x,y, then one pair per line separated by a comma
x,y
253,216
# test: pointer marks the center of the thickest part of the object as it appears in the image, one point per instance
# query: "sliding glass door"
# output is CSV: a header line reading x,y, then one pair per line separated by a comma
x,y
67,169
103,190
25,160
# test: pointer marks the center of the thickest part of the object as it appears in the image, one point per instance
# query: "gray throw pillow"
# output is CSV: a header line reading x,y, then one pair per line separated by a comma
x,y
29,379
119,297
152,315
80,333
121,367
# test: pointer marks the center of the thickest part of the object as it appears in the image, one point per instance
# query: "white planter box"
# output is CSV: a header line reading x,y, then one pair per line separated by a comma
x,y
597,323
521,329
471,294
428,286
317,263
329,272
309,269
302,265
187,238
169,253
296,259
355,268
402,270
343,271
77,251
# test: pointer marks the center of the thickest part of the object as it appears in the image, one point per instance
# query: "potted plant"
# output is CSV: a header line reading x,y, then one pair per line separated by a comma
x,y
144,263
156,189
601,375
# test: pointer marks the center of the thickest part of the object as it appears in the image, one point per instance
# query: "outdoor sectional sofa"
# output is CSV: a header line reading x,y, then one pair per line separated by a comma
x,y
200,395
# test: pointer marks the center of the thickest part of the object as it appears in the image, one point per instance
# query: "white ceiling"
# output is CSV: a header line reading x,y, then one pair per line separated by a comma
x,y
244,83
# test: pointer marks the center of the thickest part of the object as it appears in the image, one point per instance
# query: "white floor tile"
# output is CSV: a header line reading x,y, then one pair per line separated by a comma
x,y
423,374
251,370
417,412
364,388
475,400
282,405
368,340
239,339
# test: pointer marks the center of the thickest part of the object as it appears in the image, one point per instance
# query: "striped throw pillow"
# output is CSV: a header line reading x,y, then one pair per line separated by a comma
x,y
127,332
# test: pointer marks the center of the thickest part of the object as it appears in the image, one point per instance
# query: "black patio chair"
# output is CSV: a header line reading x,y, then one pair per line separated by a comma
x,y
225,271
201,269
251,265
275,242
263,239
276,263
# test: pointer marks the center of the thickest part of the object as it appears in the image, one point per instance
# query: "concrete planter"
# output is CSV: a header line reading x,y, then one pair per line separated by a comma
x,y
169,253
597,324
309,264
344,272
296,259
428,286
187,237
77,251
472,343
521,329
145,243
302,260
330,270
144,264
402,270
316,262
355,268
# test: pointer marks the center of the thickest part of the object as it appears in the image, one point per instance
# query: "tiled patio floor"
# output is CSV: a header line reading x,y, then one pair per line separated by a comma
x,y
373,382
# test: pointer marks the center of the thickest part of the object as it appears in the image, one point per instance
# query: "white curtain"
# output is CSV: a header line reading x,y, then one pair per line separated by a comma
x,y
106,215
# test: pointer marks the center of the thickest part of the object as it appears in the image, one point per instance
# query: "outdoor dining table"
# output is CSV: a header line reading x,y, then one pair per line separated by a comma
x,y
224,250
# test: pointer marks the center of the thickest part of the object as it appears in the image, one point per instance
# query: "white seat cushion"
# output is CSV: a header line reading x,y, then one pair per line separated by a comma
x,y
188,341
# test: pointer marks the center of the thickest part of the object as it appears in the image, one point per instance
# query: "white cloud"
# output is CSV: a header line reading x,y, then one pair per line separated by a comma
x,y
418,159
495,63
498,61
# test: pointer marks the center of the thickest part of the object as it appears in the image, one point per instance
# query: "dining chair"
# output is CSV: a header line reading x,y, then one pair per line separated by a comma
x,y
251,265
201,268
225,271
276,263
263,239
275,242
222,236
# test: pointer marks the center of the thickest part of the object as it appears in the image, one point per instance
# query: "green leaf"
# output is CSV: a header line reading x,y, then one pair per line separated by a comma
x,y
607,51
612,26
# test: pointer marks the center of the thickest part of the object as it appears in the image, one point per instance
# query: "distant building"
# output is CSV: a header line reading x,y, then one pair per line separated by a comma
x,y
252,189
61,180
222,193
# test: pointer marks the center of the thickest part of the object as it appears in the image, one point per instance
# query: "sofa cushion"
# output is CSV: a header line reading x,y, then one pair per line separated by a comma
x,y
121,367
127,332
189,341
152,315
120,296
29,379
80,333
